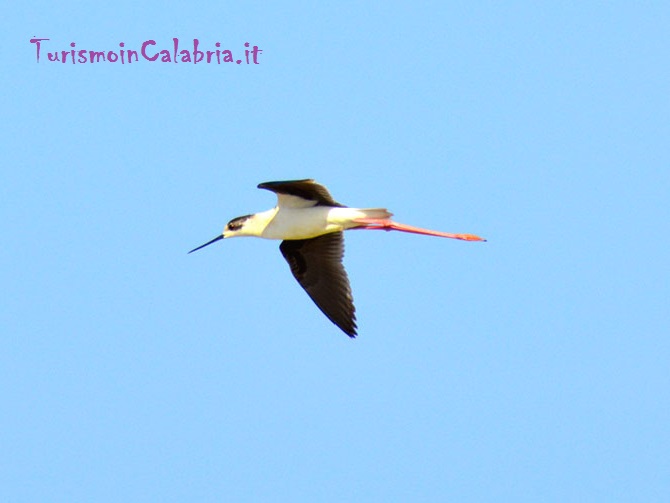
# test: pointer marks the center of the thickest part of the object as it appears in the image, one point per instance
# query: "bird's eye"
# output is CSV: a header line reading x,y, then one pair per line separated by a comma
x,y
237,223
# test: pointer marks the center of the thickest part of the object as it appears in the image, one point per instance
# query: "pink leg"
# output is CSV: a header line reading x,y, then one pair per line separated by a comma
x,y
389,225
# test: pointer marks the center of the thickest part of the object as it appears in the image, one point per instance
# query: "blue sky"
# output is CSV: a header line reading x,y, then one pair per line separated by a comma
x,y
533,367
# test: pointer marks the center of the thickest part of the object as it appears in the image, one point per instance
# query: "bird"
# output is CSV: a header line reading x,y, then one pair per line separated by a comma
x,y
311,225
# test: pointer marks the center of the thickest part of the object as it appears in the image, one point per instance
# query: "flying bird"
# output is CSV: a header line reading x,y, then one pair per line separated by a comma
x,y
310,224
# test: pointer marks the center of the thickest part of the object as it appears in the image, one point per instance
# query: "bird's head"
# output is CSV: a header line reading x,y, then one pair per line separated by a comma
x,y
240,226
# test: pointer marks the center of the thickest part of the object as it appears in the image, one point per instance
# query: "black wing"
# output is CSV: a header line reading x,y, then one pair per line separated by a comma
x,y
305,189
317,265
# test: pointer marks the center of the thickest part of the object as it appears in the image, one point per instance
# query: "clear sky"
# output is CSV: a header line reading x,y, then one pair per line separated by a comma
x,y
533,367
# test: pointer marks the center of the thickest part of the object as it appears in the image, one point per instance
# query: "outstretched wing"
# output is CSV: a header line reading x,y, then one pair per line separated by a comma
x,y
300,193
317,265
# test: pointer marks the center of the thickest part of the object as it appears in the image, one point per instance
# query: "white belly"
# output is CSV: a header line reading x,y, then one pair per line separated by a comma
x,y
307,223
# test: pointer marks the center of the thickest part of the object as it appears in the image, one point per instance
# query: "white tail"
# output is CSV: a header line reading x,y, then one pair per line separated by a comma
x,y
382,213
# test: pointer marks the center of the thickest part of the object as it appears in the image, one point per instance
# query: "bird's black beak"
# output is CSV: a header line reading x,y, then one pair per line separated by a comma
x,y
207,243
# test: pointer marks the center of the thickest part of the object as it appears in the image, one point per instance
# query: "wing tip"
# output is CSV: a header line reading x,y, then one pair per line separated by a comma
x,y
349,327
351,331
269,185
